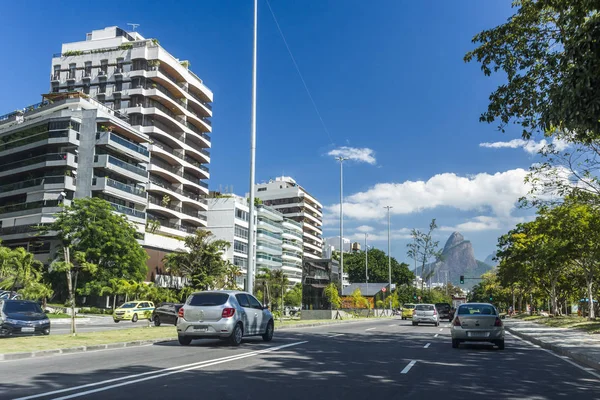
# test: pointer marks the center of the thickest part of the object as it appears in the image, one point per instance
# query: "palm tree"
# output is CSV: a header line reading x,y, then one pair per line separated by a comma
x,y
265,279
229,278
25,268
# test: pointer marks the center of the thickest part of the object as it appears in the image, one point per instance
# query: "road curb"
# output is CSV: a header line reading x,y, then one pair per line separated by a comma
x,y
581,358
330,323
80,349
96,347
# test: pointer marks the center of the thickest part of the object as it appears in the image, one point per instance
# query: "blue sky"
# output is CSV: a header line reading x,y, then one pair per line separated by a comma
x,y
388,78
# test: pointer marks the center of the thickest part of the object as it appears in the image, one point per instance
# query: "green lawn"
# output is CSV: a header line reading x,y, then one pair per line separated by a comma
x,y
573,322
58,315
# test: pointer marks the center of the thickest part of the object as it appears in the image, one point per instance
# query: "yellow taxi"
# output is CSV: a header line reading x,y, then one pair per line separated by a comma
x,y
407,310
134,310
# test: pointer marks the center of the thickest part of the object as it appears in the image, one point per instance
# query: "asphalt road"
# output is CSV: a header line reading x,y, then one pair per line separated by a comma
x,y
363,360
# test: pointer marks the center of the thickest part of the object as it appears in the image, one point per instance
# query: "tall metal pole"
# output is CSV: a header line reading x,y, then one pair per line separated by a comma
x,y
389,254
367,262
341,160
250,269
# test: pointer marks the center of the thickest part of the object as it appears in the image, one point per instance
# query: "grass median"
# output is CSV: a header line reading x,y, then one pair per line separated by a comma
x,y
37,343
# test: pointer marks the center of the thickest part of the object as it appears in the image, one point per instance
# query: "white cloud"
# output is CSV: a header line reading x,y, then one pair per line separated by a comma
x,y
364,228
530,146
380,236
356,154
498,192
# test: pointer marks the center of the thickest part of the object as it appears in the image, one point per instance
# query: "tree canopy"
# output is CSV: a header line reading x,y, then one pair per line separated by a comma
x,y
99,236
354,265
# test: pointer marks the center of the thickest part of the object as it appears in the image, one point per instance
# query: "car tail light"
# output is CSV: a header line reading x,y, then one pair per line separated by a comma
x,y
456,321
434,312
498,322
228,312
180,313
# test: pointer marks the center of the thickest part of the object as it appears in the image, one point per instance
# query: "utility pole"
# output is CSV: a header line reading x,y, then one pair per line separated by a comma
x,y
341,160
367,262
250,268
389,254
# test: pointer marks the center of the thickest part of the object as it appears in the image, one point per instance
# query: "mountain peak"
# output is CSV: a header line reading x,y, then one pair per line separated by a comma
x,y
453,240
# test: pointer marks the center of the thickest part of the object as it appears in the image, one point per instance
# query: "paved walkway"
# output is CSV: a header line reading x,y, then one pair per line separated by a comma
x,y
580,346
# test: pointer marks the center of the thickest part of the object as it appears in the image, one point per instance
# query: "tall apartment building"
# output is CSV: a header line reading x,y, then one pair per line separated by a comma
x,y
68,146
162,98
295,203
278,240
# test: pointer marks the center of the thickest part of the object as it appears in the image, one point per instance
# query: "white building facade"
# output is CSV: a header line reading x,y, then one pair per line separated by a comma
x,y
163,99
295,203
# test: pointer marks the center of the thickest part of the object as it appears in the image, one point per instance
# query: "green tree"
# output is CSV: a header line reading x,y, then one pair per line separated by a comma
x,y
333,296
228,280
354,265
95,234
358,300
203,264
424,250
21,272
293,297
548,52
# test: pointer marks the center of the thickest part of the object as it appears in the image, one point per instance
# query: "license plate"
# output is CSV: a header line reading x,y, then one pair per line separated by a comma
x,y
27,329
201,328
478,334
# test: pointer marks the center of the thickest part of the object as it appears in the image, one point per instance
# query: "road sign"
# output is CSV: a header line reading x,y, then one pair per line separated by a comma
x,y
383,290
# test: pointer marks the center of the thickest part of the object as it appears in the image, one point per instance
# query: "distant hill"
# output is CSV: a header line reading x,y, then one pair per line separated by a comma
x,y
489,260
458,258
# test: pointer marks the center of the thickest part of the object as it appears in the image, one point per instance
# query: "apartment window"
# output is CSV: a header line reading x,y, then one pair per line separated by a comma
x,y
102,88
54,88
117,104
118,86
240,247
56,72
241,232
104,66
72,71
86,89
88,68
241,214
119,65
240,262
71,88
261,189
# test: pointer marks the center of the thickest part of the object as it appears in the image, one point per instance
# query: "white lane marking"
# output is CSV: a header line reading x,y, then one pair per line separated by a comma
x,y
392,325
154,374
426,346
441,329
436,335
408,367
339,334
564,358
370,329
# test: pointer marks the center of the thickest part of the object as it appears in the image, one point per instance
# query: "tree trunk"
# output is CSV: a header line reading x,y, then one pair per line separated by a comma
x,y
590,284
520,302
71,289
114,301
553,298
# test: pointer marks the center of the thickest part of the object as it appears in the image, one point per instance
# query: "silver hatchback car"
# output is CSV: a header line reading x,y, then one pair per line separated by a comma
x,y
479,322
425,314
223,314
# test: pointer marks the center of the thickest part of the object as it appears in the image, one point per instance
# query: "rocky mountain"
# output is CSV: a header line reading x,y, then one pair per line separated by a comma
x,y
489,260
458,258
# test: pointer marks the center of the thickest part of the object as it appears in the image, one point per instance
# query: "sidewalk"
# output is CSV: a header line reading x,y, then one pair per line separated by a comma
x,y
580,346
83,319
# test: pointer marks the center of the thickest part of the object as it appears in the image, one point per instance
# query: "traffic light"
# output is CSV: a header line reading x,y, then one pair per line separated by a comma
x,y
414,296
462,279
491,298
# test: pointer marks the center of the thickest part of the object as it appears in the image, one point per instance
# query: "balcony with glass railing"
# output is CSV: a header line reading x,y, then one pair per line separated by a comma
x,y
9,208
131,189
130,145
129,167
293,233
128,211
37,138
46,180
35,160
269,234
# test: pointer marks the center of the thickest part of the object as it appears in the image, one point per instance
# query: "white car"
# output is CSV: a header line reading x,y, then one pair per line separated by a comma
x,y
477,322
425,314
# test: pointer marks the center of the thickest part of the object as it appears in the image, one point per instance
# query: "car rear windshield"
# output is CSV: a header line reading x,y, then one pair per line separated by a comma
x,y
21,306
424,307
476,310
442,306
208,299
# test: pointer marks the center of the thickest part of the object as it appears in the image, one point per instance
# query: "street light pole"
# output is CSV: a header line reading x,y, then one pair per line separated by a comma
x,y
341,160
250,267
389,254
367,262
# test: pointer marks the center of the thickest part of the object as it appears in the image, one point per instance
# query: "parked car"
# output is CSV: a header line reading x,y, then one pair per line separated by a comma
x,y
224,314
444,310
166,313
478,322
425,314
407,310
134,310
19,317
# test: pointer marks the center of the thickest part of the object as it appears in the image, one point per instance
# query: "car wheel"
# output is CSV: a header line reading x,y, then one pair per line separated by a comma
x,y
415,323
236,336
500,344
46,332
184,340
156,321
268,335
455,343
135,318
116,321
437,324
